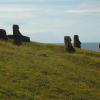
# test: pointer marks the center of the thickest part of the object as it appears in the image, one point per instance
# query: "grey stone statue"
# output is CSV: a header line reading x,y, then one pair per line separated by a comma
x,y
68,45
3,35
77,42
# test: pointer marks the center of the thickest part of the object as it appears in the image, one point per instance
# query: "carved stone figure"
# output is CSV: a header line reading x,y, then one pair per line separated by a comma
x,y
77,42
17,35
68,44
17,32
3,35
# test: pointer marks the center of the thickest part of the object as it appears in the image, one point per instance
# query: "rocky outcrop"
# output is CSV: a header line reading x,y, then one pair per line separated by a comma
x,y
68,45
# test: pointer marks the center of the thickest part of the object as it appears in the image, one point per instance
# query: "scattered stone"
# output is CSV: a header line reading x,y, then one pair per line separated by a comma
x,y
68,44
3,35
77,42
44,55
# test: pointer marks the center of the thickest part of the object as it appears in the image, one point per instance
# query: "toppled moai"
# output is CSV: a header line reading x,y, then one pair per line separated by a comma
x,y
3,35
16,32
77,42
68,45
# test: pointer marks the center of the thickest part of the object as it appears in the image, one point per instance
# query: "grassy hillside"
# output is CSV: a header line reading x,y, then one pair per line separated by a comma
x,y
36,71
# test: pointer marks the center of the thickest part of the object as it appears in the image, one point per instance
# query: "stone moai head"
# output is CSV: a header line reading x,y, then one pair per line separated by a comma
x,y
15,27
3,35
16,30
2,31
77,42
17,35
68,44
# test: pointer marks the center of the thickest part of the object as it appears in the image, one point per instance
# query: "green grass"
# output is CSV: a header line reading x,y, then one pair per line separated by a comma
x,y
36,71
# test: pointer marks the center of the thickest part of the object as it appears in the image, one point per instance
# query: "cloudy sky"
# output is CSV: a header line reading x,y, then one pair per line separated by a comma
x,y
50,20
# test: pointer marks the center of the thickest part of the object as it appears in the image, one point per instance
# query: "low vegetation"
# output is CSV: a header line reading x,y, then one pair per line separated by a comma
x,y
36,71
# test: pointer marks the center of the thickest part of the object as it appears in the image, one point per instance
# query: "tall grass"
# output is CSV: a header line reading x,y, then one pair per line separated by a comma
x,y
36,71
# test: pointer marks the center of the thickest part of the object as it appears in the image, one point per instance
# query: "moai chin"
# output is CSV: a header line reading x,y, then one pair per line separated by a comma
x,y
77,42
68,44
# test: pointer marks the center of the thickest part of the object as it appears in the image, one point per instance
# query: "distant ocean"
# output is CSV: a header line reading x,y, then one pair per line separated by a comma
x,y
90,46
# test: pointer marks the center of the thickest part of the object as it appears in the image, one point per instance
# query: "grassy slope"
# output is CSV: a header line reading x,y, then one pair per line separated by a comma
x,y
36,71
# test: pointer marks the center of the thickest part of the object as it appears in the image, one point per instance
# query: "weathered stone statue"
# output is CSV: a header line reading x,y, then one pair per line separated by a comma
x,y
17,32
77,42
3,35
17,35
68,44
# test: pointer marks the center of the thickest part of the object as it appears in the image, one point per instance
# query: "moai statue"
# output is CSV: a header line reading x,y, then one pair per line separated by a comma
x,y
3,35
16,31
17,35
68,44
77,42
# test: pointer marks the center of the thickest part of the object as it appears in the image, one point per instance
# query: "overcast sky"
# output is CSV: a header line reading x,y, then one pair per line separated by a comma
x,y
50,20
